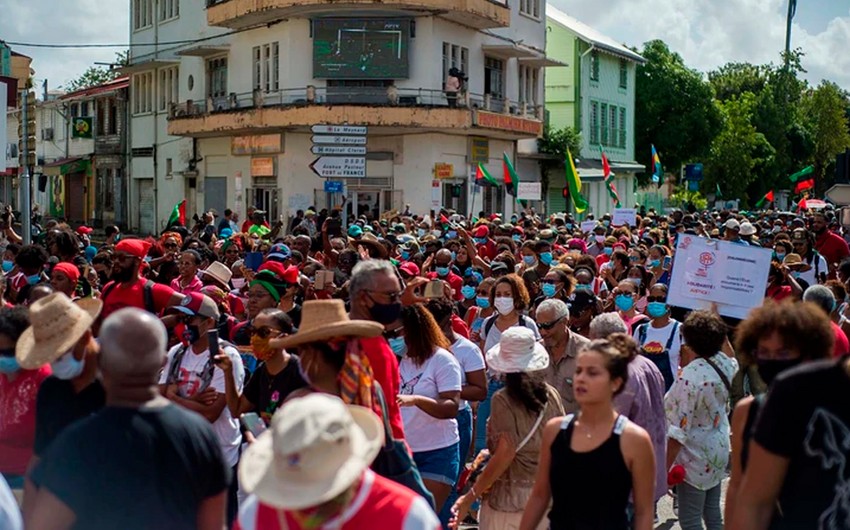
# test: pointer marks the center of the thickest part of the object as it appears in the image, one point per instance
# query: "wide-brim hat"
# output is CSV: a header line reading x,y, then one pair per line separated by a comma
x,y
220,273
323,320
518,351
90,305
315,449
370,241
56,324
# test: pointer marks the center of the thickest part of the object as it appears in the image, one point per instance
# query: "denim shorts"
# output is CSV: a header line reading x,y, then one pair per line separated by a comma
x,y
439,465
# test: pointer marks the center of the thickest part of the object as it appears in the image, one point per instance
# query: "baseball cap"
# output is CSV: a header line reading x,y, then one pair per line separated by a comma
x,y
355,231
579,301
409,268
498,266
279,252
85,230
196,304
732,224
481,231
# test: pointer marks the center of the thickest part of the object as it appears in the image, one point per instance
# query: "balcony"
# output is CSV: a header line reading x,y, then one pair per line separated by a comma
x,y
236,14
392,110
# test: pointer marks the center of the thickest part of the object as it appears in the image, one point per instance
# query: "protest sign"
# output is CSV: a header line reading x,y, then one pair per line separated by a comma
x,y
587,226
710,271
624,217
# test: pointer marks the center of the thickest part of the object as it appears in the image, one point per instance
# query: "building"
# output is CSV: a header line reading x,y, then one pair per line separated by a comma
x,y
226,121
15,74
594,94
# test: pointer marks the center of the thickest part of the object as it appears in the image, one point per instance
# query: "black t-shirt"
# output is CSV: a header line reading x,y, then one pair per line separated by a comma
x,y
58,406
135,469
806,419
295,315
267,392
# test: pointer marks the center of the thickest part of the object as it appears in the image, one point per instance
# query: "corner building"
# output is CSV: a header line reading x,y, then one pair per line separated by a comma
x,y
226,121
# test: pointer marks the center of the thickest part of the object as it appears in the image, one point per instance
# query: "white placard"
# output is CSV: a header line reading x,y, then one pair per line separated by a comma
x,y
588,226
436,195
624,217
529,191
339,140
345,150
3,89
339,129
731,275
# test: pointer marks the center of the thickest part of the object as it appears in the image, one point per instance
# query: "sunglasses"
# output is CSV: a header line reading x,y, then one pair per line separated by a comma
x,y
549,325
264,332
656,299
394,333
551,282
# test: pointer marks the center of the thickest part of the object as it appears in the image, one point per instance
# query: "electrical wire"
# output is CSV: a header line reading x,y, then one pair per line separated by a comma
x,y
131,44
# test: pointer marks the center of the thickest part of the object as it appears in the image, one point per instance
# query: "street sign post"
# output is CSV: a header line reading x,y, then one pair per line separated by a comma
x,y
344,150
333,186
339,166
839,194
354,130
338,140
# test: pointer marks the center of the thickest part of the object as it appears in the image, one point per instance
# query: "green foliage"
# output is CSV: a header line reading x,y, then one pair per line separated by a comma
x,y
681,198
555,143
97,75
824,113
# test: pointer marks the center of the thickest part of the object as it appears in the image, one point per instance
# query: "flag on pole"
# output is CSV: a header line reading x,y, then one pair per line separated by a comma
x,y
511,178
483,178
608,175
804,185
768,198
657,170
574,183
718,194
178,214
805,172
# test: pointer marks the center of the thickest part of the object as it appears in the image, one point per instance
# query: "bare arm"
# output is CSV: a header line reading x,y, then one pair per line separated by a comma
x,y
739,419
50,513
211,512
475,388
637,448
499,462
759,489
673,448
237,403
541,494
442,408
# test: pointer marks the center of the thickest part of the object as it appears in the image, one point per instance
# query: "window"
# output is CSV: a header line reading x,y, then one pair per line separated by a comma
x,y
494,77
217,77
622,128
143,93
530,8
75,110
594,66
169,83
613,136
101,117
169,9
84,109
594,123
142,13
603,135
113,116
267,67
624,73
454,56
528,84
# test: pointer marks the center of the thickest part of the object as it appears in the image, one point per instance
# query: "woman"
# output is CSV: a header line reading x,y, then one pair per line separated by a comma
x,y
557,284
697,421
188,281
773,338
615,270
640,277
612,455
587,277
625,298
584,306
231,251
781,284
655,264
462,260
660,340
482,310
267,287
514,433
468,291
429,397
781,248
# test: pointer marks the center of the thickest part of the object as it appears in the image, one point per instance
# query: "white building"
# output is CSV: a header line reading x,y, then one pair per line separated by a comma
x,y
225,121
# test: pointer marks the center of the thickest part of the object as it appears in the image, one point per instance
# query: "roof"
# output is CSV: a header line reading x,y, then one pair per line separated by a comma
x,y
591,36
109,86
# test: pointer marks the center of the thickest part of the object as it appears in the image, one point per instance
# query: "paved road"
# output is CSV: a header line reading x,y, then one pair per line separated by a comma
x,y
667,519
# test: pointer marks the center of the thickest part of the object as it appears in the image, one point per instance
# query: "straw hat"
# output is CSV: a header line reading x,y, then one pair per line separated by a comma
x,y
90,305
326,319
315,448
517,351
56,324
220,273
371,242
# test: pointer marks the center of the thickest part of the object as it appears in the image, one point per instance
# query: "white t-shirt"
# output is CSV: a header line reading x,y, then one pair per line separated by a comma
x,y
809,275
470,359
495,334
226,427
656,340
440,373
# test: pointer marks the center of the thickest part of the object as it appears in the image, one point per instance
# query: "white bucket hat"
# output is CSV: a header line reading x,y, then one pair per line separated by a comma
x,y
220,273
315,448
517,351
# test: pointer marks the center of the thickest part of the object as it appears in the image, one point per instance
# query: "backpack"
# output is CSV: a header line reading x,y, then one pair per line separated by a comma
x,y
147,294
492,321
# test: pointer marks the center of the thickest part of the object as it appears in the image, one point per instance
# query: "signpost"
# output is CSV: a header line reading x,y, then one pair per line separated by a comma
x,y
339,166
344,150
333,186
353,130
342,154
339,140
839,194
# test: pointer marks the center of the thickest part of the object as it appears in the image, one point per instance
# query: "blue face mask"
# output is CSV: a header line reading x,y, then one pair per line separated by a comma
x,y
549,290
636,281
654,263
779,255
529,260
516,237
442,272
656,309
67,367
421,232
8,265
623,302
479,240
398,346
608,251
606,224
9,365
468,292
583,287
546,258
454,255
569,226
405,256
34,279
482,302
451,234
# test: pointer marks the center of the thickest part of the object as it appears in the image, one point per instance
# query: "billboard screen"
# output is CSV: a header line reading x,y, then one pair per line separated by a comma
x,y
368,48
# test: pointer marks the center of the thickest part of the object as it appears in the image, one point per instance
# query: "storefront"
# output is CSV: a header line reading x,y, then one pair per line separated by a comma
x,y
68,182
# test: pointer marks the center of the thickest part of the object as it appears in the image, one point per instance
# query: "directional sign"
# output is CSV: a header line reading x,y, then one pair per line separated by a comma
x,y
339,129
345,150
339,166
333,186
339,140
839,194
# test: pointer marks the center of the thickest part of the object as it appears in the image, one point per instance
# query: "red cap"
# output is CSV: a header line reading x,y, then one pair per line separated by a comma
x,y
68,269
481,231
291,274
134,247
84,230
517,230
410,268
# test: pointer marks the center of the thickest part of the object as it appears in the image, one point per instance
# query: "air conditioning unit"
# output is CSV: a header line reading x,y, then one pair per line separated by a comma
x,y
47,134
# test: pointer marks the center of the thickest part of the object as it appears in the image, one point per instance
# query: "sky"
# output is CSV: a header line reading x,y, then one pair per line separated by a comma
x,y
707,33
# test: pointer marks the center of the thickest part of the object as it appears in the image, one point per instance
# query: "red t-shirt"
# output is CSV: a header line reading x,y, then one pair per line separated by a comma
x,y
454,280
832,247
460,327
842,345
487,250
17,418
385,370
119,297
779,292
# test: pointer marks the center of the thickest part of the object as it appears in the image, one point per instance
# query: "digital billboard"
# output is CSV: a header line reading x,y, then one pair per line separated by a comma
x,y
367,48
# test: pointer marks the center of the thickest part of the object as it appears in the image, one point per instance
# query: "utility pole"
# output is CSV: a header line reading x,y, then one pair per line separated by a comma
x,y
792,10
28,130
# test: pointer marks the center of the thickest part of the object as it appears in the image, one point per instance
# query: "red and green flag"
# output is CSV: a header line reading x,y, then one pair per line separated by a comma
x,y
609,179
511,178
768,198
178,214
574,183
483,178
805,172
803,185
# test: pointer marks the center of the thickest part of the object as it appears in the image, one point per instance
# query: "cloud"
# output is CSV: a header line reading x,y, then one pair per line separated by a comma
x,y
68,21
709,33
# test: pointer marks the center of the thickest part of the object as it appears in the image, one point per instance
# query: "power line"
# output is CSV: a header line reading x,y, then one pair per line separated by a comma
x,y
130,44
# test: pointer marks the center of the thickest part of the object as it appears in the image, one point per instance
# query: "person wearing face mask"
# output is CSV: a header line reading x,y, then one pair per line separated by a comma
x,y
586,278
556,284
9,255
655,265
624,297
443,270
772,339
781,248
482,309
543,249
822,296
193,379
607,250
30,263
18,391
660,339
529,257
583,306
596,240
781,284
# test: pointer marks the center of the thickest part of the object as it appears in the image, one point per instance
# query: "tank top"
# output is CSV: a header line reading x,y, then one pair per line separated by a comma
x,y
590,490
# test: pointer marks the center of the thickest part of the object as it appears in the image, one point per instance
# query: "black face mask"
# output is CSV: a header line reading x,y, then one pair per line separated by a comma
x,y
770,368
385,313
192,333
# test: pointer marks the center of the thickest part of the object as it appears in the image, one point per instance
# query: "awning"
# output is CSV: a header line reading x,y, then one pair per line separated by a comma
x,y
539,62
628,166
207,50
144,66
63,166
507,51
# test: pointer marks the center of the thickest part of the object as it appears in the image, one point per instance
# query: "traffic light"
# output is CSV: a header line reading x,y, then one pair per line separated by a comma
x,y
26,133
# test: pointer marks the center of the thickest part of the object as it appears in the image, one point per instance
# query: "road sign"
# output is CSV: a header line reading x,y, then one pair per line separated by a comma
x,y
339,129
345,150
333,186
839,194
339,166
339,140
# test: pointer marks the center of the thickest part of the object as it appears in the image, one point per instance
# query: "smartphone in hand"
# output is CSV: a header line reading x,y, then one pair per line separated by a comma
x,y
212,336
434,289
252,422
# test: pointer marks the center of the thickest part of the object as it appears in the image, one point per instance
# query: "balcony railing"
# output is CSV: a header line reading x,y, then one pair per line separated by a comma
x,y
363,96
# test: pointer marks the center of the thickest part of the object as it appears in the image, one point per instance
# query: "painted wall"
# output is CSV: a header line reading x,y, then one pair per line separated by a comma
x,y
561,81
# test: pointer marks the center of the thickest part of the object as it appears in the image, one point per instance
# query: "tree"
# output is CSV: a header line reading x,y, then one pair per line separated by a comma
x,y
555,143
824,113
738,150
733,79
674,109
97,75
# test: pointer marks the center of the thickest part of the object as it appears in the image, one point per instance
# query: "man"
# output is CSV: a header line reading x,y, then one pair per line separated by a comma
x,y
128,289
375,294
191,379
225,222
259,226
113,234
309,223
816,266
660,339
311,471
139,463
543,249
553,321
299,216
732,232
829,244
443,271
484,245
822,296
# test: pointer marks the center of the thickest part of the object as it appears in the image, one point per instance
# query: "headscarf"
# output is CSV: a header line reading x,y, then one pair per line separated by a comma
x,y
356,380
175,235
68,269
134,247
275,278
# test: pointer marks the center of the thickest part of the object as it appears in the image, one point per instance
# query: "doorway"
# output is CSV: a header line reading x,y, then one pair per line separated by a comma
x,y
215,194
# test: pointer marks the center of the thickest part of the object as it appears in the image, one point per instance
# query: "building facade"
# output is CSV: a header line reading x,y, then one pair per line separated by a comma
x,y
594,95
15,74
228,121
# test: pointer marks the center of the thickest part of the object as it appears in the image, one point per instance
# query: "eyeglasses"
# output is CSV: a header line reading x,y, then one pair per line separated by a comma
x,y
656,298
264,332
394,333
551,282
394,296
549,325
170,245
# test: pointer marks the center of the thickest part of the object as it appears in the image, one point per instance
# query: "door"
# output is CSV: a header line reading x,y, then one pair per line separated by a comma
x,y
454,196
146,213
75,197
266,199
215,194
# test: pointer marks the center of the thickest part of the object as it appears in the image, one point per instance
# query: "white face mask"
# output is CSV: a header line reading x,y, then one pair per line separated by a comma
x,y
504,304
238,283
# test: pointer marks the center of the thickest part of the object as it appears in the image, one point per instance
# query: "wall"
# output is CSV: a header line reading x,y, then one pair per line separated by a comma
x,y
560,81
607,90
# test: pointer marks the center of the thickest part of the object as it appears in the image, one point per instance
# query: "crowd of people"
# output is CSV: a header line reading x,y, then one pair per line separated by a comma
x,y
424,371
